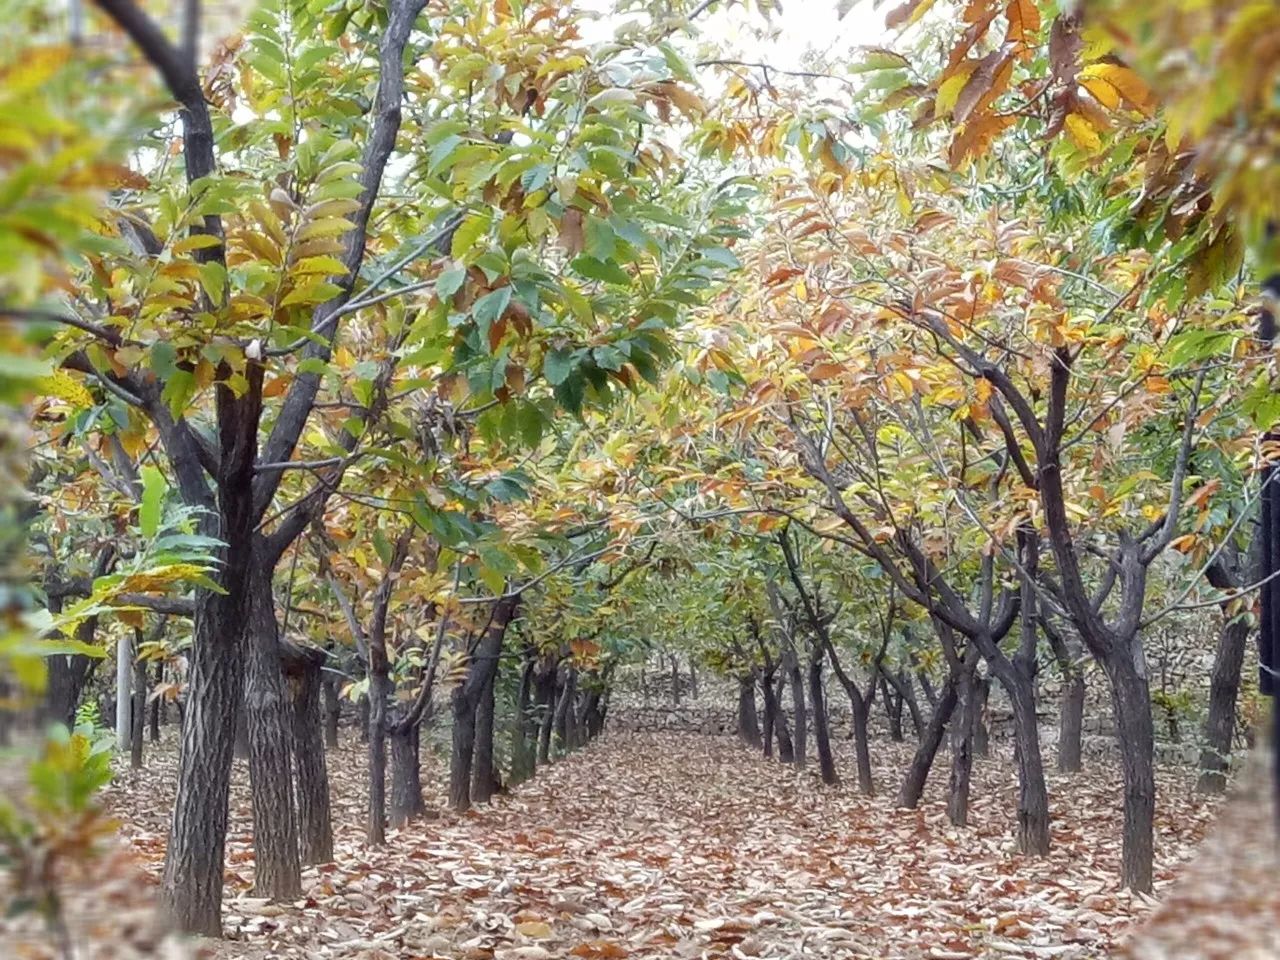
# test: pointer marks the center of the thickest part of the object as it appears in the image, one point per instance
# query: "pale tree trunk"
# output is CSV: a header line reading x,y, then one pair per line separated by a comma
x,y
124,699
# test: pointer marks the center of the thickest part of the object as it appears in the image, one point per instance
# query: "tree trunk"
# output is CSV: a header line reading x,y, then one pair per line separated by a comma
x,y
277,867
462,755
564,707
1071,709
593,715
380,690
545,698
364,711
242,733
1220,724
930,695
675,680
798,705
861,712
748,722
191,890
693,680
901,681
1131,702
67,677
962,749
406,776
332,710
1071,723
124,699
770,714
892,709
981,734
523,748
315,828
786,749
913,784
138,713
484,781
157,705
1033,796
821,728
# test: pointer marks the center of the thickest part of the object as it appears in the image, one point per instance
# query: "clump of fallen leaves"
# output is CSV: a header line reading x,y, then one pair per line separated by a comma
x,y
670,845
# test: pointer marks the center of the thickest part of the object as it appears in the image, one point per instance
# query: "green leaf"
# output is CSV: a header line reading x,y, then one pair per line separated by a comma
x,y
468,232
490,307
569,393
154,487
605,270
450,281
556,366
600,240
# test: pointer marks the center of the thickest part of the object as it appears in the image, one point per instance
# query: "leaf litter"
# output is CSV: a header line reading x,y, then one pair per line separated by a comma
x,y
674,845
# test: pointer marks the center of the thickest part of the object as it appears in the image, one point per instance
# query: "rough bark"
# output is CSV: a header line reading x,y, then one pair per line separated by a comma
x,y
380,690
1033,797
523,736
798,708
821,728
332,710
786,749
315,827
564,707
770,714
962,750
462,754
912,788
466,699
277,866
1071,724
892,710
484,780
748,722
544,700
1220,722
1131,702
406,775
1071,707
981,734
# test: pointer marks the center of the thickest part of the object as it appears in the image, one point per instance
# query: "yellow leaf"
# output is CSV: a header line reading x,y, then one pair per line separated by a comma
x,y
1082,132
1125,82
536,929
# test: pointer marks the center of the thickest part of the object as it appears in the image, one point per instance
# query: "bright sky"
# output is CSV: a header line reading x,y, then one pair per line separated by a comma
x,y
801,27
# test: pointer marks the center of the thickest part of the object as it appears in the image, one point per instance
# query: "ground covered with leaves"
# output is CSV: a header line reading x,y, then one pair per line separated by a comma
x,y
670,845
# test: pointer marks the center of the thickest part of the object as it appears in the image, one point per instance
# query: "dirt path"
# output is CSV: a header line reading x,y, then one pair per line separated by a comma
x,y
682,846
